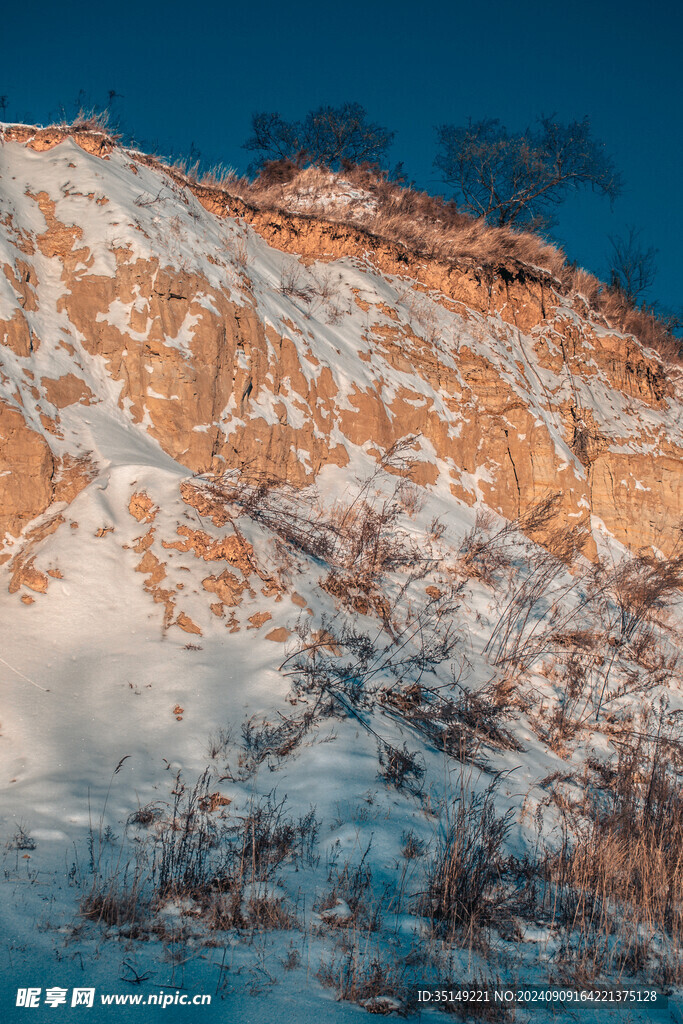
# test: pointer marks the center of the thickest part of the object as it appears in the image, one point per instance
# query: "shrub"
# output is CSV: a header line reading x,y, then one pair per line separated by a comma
x,y
22,840
371,978
351,893
401,767
464,873
119,898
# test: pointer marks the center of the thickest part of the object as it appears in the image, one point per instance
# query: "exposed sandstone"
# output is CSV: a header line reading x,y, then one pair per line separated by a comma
x,y
258,619
232,549
142,508
72,475
187,625
227,587
27,468
198,367
67,390
279,635
26,575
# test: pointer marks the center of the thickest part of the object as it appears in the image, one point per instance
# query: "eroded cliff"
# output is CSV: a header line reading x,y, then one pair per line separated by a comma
x,y
136,304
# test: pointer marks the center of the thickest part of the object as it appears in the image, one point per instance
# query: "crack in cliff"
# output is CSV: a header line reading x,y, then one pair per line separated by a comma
x,y
221,346
519,492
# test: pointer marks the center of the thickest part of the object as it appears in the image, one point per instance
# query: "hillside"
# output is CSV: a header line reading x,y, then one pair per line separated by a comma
x,y
379,550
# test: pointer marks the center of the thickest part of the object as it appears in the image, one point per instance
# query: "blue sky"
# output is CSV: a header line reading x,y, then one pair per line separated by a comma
x,y
194,74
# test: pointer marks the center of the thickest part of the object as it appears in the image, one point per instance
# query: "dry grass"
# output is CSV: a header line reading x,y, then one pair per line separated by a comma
x,y
117,900
610,891
362,973
223,867
430,226
424,224
465,873
348,903
615,885
93,121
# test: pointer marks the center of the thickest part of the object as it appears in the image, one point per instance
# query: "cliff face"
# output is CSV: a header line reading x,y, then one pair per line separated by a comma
x,y
138,313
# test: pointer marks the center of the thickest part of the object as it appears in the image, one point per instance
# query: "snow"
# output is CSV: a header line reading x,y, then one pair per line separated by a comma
x,y
92,679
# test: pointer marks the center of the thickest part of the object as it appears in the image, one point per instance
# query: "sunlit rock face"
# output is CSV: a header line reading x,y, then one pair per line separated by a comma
x,y
140,311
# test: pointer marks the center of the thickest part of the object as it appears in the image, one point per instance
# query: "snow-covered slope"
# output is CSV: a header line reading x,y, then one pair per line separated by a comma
x,y
272,507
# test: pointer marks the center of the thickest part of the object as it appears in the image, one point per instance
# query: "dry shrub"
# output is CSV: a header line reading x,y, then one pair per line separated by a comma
x,y
578,670
617,896
607,644
361,541
271,742
480,556
196,852
220,743
586,615
643,586
614,886
22,840
225,866
145,816
426,225
611,890
118,894
412,846
370,977
118,900
351,886
220,177
92,121
240,889
465,874
294,285
531,616
267,837
430,226
344,672
654,329
486,551
401,767
459,722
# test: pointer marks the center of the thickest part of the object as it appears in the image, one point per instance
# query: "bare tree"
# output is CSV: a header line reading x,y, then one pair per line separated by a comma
x,y
521,178
328,135
632,267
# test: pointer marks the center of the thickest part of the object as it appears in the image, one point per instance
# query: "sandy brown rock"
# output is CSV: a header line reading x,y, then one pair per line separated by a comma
x,y
26,575
227,587
16,334
640,499
258,619
279,635
72,475
41,139
232,548
67,390
187,625
142,508
27,468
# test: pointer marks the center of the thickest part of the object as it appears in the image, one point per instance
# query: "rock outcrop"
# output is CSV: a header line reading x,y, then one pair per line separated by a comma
x,y
278,343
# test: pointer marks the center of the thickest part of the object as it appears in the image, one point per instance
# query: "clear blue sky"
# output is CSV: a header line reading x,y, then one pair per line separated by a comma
x,y
194,73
